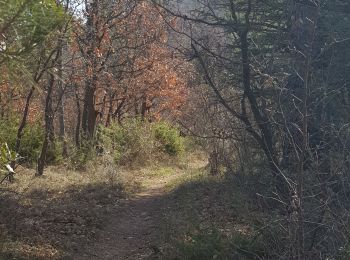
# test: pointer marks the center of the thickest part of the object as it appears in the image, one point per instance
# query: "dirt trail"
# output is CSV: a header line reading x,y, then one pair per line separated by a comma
x,y
132,232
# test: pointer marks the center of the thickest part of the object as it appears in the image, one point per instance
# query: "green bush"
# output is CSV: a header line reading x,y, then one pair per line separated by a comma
x,y
79,156
169,138
130,143
54,154
138,142
31,141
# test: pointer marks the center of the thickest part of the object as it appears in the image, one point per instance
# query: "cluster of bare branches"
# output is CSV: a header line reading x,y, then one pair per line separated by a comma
x,y
271,87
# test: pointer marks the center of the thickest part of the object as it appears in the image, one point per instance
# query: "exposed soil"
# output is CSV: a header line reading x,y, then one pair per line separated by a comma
x,y
133,230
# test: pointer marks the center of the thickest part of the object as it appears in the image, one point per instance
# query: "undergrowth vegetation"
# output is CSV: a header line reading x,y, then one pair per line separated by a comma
x,y
53,216
137,142
209,217
31,140
212,217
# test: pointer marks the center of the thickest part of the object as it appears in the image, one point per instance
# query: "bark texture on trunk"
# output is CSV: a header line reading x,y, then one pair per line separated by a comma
x,y
48,127
77,127
92,39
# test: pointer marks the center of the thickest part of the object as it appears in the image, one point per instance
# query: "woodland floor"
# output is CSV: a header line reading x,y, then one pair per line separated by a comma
x,y
133,230
70,215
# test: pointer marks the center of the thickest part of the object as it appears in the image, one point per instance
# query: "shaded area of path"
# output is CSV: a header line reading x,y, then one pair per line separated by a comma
x,y
133,230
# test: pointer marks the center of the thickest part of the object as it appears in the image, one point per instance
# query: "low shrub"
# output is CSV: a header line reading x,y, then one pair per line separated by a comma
x,y
169,138
54,154
80,156
138,142
130,143
31,141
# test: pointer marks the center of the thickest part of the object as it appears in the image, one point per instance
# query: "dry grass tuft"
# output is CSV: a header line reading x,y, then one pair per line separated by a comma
x,y
52,216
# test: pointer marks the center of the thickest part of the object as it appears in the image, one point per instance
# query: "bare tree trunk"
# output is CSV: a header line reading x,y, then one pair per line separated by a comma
x,y
118,111
101,114
21,128
77,127
89,112
38,75
214,161
143,107
48,127
22,124
303,36
62,130
110,110
24,120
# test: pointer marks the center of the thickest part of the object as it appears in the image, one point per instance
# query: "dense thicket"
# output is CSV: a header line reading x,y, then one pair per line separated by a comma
x,y
273,107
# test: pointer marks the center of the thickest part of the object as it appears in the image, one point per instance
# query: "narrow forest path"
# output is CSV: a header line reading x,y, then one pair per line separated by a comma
x,y
133,230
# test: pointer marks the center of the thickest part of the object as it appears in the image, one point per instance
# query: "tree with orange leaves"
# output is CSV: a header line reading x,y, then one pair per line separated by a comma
x,y
128,68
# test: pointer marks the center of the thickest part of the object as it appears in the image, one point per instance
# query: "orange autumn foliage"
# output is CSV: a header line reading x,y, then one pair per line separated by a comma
x,y
138,72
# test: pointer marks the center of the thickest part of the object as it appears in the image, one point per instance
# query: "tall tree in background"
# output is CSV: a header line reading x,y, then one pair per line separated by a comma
x,y
53,81
96,49
128,66
224,38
